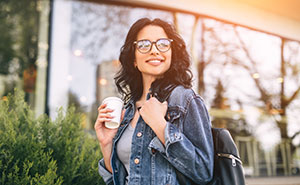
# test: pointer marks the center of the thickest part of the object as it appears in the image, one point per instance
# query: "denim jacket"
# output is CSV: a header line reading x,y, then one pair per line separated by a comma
x,y
188,145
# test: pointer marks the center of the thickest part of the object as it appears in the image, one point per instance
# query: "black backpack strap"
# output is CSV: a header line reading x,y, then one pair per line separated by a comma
x,y
162,88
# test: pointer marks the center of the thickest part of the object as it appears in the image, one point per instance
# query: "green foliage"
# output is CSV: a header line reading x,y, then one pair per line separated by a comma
x,y
42,151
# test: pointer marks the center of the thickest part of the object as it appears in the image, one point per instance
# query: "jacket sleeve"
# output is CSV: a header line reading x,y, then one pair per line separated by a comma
x,y
104,173
190,151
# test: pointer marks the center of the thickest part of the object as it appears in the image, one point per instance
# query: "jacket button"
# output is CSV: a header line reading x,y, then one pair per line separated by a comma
x,y
136,161
139,134
153,150
168,116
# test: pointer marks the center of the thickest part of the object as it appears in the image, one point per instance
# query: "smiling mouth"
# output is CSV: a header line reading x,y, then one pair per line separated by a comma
x,y
154,62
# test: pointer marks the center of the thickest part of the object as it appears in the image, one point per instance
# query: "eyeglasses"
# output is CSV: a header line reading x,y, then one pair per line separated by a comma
x,y
144,46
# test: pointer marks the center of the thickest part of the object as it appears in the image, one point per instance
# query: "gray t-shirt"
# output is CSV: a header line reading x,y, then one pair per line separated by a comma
x,y
124,147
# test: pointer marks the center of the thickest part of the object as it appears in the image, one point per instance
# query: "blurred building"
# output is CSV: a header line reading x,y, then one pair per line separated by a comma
x,y
106,87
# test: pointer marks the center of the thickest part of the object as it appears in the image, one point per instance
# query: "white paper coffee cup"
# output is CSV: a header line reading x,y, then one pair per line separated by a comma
x,y
115,104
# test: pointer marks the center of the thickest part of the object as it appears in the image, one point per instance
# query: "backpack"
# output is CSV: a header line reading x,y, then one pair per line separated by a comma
x,y
228,169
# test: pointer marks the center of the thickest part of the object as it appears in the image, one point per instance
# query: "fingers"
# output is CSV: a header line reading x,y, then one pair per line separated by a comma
x,y
154,99
102,109
102,120
165,103
103,115
102,106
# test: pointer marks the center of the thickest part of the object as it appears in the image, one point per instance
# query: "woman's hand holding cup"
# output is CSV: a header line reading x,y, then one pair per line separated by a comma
x,y
109,113
105,135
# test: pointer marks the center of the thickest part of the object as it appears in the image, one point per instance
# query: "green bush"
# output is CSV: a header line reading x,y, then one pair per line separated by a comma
x,y
42,151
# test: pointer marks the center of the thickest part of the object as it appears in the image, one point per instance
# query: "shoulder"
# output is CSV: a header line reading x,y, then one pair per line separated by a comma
x,y
182,96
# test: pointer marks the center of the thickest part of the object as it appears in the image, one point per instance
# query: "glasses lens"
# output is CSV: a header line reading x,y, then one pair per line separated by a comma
x,y
163,45
143,46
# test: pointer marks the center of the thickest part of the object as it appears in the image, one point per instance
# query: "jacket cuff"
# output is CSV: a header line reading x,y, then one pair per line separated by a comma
x,y
104,173
157,145
172,135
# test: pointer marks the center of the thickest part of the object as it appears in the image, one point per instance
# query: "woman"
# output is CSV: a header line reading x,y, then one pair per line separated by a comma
x,y
158,142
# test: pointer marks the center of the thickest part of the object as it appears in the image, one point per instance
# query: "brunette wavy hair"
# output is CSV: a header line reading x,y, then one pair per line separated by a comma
x,y
129,79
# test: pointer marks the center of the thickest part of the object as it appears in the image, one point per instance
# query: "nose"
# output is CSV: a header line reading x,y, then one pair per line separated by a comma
x,y
154,50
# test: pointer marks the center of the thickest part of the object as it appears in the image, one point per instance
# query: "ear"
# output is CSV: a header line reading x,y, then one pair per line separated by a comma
x,y
134,63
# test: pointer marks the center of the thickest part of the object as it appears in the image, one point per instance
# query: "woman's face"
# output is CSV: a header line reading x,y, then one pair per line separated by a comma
x,y
154,63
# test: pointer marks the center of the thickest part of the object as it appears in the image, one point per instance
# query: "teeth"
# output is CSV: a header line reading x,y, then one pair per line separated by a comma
x,y
154,61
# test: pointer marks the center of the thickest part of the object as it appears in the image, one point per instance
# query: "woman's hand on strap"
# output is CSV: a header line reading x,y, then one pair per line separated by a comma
x,y
153,113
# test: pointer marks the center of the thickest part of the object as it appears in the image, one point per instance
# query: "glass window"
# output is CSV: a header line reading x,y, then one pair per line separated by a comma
x,y
249,79
90,60
249,84
23,49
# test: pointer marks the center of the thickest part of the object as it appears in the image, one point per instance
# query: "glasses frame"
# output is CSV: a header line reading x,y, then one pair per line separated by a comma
x,y
154,42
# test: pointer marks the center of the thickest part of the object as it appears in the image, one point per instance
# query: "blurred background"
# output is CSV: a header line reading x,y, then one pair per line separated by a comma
x,y
245,54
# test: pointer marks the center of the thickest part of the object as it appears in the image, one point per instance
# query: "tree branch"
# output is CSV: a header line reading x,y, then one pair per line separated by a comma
x,y
264,95
292,97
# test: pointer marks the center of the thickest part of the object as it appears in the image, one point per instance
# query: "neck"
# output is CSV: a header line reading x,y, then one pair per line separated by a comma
x,y
147,81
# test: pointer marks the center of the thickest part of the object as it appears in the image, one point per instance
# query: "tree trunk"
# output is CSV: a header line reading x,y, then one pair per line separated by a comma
x,y
282,124
201,63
